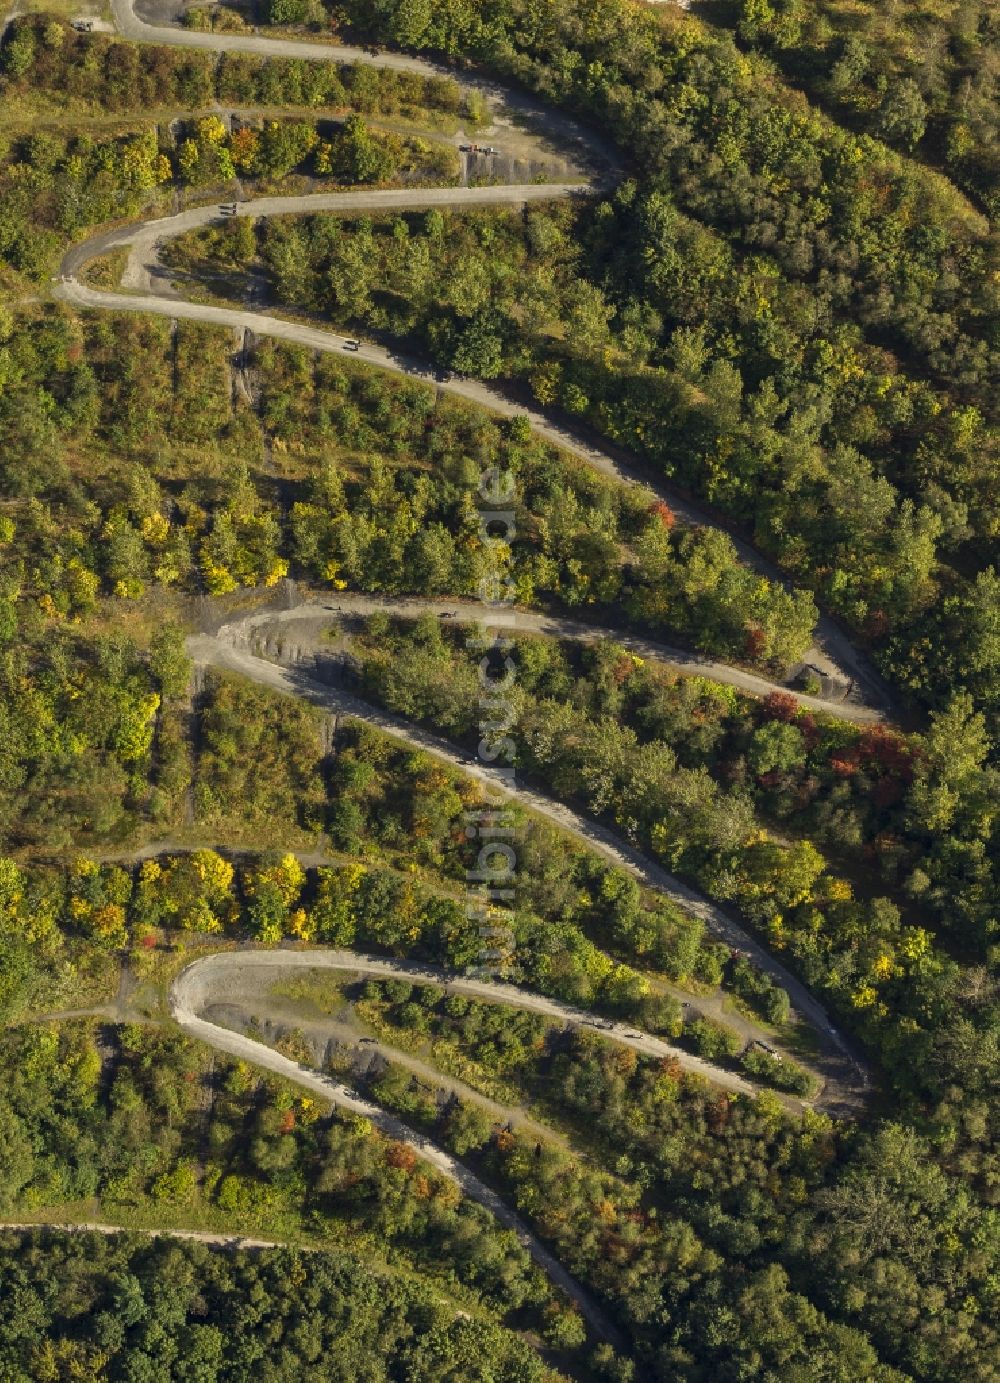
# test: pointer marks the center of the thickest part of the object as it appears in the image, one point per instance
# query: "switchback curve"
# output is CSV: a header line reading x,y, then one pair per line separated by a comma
x,y
187,994
867,692
523,621
202,976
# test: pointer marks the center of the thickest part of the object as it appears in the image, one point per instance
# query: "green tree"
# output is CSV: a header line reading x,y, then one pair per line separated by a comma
x,y
359,156
776,747
169,661
477,346
468,1128
903,114
950,781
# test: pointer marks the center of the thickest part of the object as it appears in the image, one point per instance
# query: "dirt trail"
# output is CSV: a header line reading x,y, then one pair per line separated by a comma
x,y
306,623
190,993
846,1080
226,976
231,1241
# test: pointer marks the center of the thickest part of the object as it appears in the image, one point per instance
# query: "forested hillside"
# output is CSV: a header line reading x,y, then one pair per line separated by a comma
x,y
498,810
784,313
921,78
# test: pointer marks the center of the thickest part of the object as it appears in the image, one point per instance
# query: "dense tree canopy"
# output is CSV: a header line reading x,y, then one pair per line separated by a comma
x,y
787,306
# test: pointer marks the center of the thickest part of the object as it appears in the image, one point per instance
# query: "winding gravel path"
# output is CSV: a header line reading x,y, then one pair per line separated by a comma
x,y
523,621
510,109
834,654
846,1080
214,978
190,991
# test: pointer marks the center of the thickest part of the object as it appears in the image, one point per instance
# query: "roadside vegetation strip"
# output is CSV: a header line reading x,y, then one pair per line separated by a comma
x,y
518,104
204,971
280,1021
846,1079
198,1236
461,611
185,995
